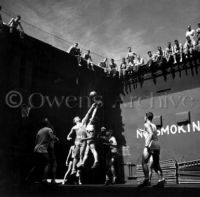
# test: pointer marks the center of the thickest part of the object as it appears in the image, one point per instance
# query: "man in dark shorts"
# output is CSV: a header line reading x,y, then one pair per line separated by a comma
x,y
111,154
151,152
42,164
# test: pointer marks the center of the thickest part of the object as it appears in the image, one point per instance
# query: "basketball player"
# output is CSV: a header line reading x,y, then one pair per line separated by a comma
x,y
43,156
90,131
69,163
110,157
151,152
80,130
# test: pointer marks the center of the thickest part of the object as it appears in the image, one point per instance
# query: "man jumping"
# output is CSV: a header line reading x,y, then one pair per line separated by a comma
x,y
80,130
90,131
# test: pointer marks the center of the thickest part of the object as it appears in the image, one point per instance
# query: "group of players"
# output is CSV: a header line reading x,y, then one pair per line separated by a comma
x,y
85,141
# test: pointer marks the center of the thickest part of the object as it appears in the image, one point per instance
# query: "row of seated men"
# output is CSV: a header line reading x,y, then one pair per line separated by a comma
x,y
133,65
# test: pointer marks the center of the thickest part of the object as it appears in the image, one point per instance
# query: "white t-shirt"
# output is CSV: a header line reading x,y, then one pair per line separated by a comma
x,y
191,34
113,141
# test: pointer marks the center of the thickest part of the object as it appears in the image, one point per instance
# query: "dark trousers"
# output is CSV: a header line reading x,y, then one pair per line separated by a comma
x,y
40,168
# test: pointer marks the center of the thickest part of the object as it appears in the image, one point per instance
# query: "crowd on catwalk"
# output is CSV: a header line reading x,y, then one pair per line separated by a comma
x,y
132,66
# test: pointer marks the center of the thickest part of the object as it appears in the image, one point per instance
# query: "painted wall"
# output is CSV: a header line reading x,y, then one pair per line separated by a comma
x,y
178,93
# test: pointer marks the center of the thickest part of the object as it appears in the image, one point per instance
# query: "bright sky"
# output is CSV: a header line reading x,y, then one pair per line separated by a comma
x,y
108,27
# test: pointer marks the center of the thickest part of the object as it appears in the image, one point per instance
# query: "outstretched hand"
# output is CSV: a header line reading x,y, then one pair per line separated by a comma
x,y
69,138
94,105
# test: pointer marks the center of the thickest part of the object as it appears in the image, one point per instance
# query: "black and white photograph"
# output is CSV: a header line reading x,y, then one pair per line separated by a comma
x,y
99,98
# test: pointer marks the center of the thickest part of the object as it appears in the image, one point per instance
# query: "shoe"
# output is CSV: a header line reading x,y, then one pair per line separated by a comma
x,y
44,182
146,182
95,165
114,180
55,183
107,182
160,184
73,172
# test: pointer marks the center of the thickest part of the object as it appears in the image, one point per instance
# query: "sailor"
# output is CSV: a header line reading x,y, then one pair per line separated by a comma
x,y
91,134
151,152
111,156
80,130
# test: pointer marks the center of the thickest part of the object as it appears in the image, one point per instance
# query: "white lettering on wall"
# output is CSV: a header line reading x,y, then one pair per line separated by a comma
x,y
175,129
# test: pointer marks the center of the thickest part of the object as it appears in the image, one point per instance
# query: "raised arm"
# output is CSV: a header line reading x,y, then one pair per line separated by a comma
x,y
10,22
93,115
85,119
70,133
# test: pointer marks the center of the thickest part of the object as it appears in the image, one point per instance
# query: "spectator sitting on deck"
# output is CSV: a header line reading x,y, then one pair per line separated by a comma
x,y
198,46
113,68
88,58
130,55
123,68
198,32
189,47
169,53
159,57
104,64
76,51
139,63
130,67
191,33
178,51
151,64
15,24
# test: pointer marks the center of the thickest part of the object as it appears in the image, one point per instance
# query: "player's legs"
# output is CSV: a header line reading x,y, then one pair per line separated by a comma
x,y
85,154
112,168
53,170
76,158
145,159
68,172
47,166
95,154
108,169
156,165
150,167
82,151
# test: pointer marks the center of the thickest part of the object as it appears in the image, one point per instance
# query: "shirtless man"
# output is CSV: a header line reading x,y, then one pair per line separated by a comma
x,y
90,131
15,24
151,152
111,155
80,130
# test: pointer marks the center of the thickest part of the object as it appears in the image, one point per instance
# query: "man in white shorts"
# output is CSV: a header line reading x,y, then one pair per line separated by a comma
x,y
151,152
80,130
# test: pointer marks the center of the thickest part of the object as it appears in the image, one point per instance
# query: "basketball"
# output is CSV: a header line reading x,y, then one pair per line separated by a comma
x,y
92,94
